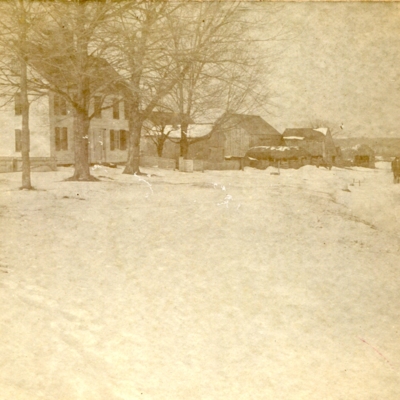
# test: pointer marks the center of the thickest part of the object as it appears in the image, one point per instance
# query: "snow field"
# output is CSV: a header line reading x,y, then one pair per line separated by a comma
x,y
215,285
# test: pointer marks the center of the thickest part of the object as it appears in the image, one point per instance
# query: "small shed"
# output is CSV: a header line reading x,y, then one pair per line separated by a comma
x,y
360,155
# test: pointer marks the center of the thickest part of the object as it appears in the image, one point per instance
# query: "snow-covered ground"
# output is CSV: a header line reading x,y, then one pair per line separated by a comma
x,y
215,285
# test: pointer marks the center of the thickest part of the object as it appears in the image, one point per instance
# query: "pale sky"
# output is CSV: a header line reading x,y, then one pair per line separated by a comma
x,y
340,64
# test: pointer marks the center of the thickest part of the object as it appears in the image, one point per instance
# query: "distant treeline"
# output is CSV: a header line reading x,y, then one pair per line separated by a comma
x,y
384,147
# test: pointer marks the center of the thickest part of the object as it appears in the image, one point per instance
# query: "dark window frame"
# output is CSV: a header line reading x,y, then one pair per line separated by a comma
x,y
123,139
119,139
112,139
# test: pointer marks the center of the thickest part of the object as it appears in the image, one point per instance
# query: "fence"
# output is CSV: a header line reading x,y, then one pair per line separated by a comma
x,y
189,165
14,164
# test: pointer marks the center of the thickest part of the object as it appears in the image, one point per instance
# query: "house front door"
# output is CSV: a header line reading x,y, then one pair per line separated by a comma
x,y
97,153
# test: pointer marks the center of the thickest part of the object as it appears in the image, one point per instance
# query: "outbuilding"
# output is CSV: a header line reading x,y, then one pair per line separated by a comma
x,y
360,155
317,142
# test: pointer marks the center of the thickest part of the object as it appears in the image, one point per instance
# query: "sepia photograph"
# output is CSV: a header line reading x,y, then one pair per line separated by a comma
x,y
199,200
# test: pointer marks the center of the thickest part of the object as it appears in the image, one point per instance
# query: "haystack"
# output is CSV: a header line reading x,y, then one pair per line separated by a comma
x,y
277,153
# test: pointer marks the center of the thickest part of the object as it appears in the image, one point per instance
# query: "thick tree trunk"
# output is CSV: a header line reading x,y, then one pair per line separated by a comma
x,y
25,142
135,129
81,112
81,147
160,145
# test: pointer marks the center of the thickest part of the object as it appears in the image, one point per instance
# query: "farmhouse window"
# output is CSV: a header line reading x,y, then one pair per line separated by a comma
x,y
118,139
18,104
60,105
18,140
116,109
123,139
61,138
97,106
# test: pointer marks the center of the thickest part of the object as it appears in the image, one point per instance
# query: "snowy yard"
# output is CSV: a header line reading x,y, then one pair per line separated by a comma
x,y
216,285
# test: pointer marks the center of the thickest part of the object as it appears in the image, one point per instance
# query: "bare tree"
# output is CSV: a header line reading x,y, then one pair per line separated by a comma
x,y
159,134
159,127
141,39
67,52
16,25
188,54
224,74
197,41
25,147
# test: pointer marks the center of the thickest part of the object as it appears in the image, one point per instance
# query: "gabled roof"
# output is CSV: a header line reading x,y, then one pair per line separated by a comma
x,y
57,60
253,124
162,118
60,71
306,133
194,130
359,149
324,131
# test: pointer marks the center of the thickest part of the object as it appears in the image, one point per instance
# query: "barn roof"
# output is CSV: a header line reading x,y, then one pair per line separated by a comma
x,y
324,131
306,133
166,118
253,124
194,130
359,149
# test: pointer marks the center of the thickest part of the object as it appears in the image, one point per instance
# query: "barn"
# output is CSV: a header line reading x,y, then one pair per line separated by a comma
x,y
240,132
317,142
222,145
